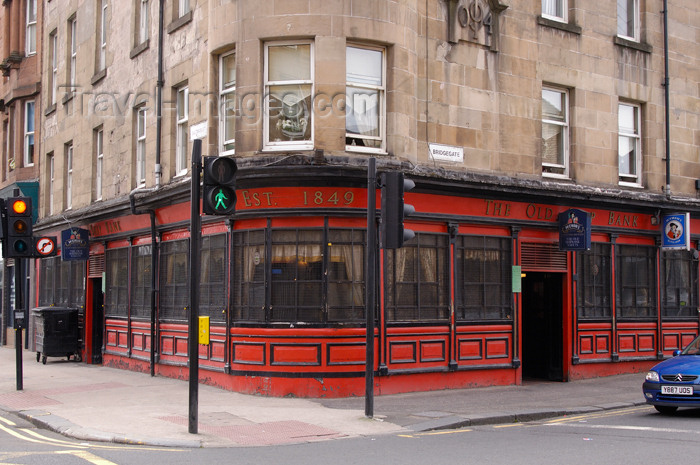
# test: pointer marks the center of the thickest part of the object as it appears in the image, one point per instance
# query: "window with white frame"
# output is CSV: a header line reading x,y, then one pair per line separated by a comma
x,y
182,110
629,144
102,52
53,72
288,122
183,7
143,21
29,133
365,91
227,103
99,162
628,19
555,132
52,180
141,146
73,48
555,9
69,176
31,28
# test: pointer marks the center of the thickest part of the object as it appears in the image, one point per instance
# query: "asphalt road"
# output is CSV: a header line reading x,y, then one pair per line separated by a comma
x,y
633,435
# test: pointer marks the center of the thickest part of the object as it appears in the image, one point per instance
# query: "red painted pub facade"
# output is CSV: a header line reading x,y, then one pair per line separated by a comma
x,y
481,296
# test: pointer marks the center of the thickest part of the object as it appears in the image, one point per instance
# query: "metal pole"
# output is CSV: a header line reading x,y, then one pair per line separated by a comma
x,y
195,254
667,91
370,278
19,284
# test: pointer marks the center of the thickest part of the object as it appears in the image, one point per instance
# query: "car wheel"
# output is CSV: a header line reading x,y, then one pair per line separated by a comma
x,y
665,409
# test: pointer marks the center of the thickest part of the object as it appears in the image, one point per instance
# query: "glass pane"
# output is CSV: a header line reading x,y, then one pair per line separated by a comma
x,y
364,66
553,105
290,113
552,144
553,8
182,104
628,156
228,71
627,119
625,17
289,63
362,112
229,111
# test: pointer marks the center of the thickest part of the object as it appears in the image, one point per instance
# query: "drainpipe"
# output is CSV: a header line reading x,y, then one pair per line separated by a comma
x,y
159,93
154,282
667,98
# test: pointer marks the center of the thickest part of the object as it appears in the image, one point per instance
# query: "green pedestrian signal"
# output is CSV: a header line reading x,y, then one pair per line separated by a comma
x,y
219,186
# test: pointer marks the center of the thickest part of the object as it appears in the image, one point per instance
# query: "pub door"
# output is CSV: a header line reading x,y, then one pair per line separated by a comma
x,y
542,326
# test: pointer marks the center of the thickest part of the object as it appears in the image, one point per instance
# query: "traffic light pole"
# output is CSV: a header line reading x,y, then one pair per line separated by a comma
x,y
370,297
195,256
19,306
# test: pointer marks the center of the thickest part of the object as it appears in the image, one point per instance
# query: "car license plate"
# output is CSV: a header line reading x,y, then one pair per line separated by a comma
x,y
677,390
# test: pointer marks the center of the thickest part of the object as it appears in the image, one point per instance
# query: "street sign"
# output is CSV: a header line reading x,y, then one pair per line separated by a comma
x,y
45,246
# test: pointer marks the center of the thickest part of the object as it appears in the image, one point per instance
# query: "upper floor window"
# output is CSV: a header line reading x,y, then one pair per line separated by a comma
x,y
51,177
102,35
31,28
73,50
29,134
141,146
69,176
53,72
628,19
182,110
183,7
555,132
99,162
142,23
555,9
629,144
227,103
365,89
288,121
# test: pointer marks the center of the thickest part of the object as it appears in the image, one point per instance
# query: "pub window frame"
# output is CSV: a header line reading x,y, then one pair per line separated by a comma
x,y
337,255
213,296
173,266
116,300
495,301
679,274
140,280
633,290
407,296
594,282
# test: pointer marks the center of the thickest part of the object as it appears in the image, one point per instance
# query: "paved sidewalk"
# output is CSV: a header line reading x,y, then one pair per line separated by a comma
x,y
90,402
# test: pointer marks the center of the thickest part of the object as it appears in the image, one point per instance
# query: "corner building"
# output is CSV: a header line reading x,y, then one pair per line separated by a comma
x,y
505,113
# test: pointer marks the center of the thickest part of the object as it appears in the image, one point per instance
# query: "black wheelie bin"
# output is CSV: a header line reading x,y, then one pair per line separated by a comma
x,y
57,333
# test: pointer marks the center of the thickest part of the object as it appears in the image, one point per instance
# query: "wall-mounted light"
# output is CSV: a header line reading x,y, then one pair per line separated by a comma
x,y
656,218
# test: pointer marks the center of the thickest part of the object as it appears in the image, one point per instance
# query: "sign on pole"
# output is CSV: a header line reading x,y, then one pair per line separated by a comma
x,y
675,231
574,230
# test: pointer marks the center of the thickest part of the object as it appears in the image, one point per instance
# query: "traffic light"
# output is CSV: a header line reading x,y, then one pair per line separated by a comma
x,y
219,196
19,227
392,231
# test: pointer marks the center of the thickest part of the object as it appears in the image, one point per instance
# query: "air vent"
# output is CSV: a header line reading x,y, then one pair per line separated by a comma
x,y
542,257
96,266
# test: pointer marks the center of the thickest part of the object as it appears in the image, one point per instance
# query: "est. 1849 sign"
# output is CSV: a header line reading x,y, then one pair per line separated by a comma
x,y
574,230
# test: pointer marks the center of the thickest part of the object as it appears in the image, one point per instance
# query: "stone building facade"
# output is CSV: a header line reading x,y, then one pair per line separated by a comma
x,y
505,113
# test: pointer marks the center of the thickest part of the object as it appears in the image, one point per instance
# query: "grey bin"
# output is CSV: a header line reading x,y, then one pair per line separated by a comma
x,y
57,332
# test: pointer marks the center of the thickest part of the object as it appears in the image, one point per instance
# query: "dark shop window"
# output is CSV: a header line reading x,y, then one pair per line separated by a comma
x,y
248,292
680,285
417,280
483,276
594,286
635,281
141,261
212,291
174,289
117,286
